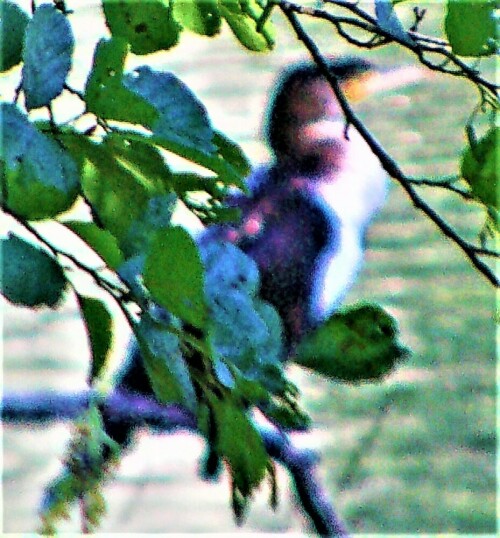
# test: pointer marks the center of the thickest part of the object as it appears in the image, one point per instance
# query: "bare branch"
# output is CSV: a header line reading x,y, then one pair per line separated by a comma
x,y
42,407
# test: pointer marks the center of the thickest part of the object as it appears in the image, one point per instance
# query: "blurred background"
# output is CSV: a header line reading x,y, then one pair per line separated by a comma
x,y
413,454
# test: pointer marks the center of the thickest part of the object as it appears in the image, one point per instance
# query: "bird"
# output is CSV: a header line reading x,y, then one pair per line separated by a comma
x,y
305,218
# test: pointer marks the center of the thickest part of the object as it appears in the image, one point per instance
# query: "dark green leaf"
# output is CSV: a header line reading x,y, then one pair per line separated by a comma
x,y
98,322
13,22
200,16
174,275
148,26
165,365
240,445
356,344
105,94
238,15
101,241
389,21
47,55
41,179
472,27
479,166
182,119
30,277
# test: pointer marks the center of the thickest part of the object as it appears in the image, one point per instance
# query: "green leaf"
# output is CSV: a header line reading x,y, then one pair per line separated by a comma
x,y
232,154
182,119
105,94
479,167
148,26
356,344
13,22
240,445
30,277
99,324
40,179
101,241
174,275
47,54
472,27
124,181
238,15
199,16
165,365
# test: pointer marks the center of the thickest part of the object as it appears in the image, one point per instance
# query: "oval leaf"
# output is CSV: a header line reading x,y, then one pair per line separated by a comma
x,y
147,26
182,118
99,324
472,27
13,22
174,275
47,54
30,277
41,179
353,345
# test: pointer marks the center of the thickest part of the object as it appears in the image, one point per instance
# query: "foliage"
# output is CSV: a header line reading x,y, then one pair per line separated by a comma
x,y
219,350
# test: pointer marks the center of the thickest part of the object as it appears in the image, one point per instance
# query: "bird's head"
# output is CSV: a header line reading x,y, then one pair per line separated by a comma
x,y
304,123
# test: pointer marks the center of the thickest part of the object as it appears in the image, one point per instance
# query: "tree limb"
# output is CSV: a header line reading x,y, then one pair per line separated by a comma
x,y
43,407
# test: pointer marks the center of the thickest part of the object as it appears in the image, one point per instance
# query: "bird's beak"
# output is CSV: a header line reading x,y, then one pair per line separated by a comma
x,y
375,82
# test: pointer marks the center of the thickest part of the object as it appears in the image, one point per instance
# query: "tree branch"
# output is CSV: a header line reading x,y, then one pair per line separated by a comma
x,y
387,162
43,407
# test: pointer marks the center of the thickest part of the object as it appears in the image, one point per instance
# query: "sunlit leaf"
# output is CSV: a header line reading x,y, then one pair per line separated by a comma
x,y
174,275
124,181
148,26
472,26
200,16
479,166
47,55
238,16
105,94
41,179
29,276
13,22
99,324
